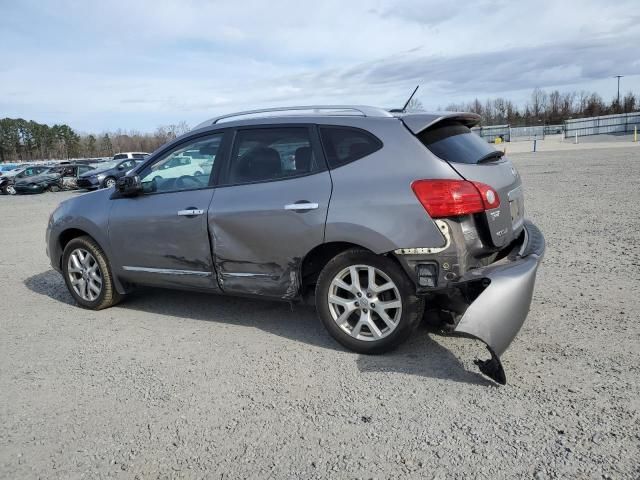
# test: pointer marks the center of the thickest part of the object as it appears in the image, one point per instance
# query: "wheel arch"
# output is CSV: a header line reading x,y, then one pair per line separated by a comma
x,y
69,234
314,261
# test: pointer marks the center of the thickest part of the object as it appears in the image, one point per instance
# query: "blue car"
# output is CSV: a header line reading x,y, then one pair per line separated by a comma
x,y
106,174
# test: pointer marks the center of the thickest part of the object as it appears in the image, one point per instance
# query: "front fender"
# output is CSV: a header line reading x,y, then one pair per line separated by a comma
x,y
88,213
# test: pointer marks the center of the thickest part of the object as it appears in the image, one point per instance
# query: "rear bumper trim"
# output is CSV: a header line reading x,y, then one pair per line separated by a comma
x,y
497,314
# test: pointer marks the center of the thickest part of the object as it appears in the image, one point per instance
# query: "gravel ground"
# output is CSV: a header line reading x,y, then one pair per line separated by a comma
x,y
181,385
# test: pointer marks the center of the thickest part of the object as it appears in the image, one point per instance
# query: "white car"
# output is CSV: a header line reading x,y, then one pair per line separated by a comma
x,y
179,166
131,155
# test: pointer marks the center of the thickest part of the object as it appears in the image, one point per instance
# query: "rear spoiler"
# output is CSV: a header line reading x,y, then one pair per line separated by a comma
x,y
417,122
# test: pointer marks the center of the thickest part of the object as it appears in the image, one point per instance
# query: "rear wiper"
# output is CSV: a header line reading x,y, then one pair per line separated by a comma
x,y
491,156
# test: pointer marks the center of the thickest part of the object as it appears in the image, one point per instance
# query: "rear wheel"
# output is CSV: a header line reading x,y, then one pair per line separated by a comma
x,y
366,301
88,275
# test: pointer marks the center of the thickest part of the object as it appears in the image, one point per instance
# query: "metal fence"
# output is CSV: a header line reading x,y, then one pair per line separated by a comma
x,y
527,133
554,129
490,133
514,134
606,124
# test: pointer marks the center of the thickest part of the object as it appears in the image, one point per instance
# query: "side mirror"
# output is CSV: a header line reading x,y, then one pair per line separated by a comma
x,y
129,186
120,167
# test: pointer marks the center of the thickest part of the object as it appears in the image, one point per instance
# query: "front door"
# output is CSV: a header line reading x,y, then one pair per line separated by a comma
x,y
160,237
269,210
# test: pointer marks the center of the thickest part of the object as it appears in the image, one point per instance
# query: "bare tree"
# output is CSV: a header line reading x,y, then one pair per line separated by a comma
x,y
415,105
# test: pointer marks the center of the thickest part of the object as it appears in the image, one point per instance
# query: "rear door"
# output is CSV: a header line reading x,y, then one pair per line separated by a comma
x,y
476,160
270,209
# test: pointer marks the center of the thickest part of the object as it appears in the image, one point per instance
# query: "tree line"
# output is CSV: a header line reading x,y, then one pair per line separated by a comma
x,y
547,108
25,140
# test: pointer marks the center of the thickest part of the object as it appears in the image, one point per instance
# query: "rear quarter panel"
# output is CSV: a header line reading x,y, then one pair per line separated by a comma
x,y
372,203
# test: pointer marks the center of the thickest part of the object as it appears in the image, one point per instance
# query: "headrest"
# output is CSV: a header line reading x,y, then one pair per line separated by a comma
x,y
303,157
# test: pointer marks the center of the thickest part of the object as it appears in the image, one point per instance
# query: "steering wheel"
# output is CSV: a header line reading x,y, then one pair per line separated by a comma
x,y
180,182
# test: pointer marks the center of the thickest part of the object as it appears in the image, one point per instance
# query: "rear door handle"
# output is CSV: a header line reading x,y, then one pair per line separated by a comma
x,y
192,212
301,206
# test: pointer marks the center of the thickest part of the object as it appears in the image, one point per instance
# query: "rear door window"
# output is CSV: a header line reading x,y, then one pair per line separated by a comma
x,y
267,154
343,145
454,142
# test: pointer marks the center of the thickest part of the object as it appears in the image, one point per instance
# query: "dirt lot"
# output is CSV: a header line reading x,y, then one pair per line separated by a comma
x,y
177,385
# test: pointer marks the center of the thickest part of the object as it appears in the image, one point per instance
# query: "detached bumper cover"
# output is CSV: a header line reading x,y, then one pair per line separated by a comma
x,y
497,314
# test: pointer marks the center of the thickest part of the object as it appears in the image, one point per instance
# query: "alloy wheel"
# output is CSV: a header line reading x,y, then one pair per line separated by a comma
x,y
364,302
110,183
84,274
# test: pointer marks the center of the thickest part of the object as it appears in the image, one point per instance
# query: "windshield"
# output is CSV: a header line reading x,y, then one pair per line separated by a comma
x,y
455,142
106,165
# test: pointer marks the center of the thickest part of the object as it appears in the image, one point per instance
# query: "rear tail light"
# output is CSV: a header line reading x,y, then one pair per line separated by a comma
x,y
451,198
490,197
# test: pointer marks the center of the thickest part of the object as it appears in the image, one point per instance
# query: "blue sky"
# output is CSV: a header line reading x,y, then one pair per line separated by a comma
x,y
139,64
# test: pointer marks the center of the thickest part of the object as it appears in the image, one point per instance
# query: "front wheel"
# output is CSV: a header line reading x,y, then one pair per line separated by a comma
x,y
367,302
109,182
54,188
10,190
88,275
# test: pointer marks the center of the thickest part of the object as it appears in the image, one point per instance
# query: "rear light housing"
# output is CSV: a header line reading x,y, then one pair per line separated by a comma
x,y
452,198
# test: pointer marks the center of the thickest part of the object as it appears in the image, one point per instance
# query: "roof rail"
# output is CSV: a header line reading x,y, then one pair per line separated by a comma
x,y
307,110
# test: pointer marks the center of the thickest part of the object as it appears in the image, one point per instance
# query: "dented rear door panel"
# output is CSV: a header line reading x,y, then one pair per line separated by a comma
x,y
258,244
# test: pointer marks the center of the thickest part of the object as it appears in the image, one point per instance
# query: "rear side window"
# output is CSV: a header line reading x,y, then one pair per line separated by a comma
x,y
343,145
267,154
120,156
455,142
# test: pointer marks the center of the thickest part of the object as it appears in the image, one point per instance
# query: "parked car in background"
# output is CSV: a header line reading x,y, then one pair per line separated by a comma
x,y
6,167
106,174
71,174
130,155
49,180
8,179
179,166
61,177
378,217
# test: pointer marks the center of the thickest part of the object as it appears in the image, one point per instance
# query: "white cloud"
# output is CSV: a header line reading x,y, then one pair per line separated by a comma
x,y
136,64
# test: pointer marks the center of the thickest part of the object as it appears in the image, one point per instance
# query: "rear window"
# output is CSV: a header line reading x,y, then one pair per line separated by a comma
x,y
120,156
343,145
455,142
139,155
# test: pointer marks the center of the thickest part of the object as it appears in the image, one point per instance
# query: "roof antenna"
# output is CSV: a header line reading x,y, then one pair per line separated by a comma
x,y
404,109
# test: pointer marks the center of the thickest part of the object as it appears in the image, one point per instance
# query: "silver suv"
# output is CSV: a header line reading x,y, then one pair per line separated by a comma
x,y
383,218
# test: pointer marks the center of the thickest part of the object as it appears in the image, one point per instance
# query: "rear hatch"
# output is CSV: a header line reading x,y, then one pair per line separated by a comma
x,y
449,137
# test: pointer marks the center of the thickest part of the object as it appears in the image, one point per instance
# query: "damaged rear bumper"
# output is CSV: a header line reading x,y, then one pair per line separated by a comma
x,y
497,314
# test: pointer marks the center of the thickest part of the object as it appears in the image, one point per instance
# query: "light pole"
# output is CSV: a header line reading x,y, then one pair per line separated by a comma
x,y
618,77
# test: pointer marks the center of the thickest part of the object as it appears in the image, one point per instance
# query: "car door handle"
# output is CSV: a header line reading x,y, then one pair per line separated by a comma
x,y
301,206
192,212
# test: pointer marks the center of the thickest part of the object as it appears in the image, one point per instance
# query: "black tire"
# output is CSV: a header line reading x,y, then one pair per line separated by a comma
x,y
108,296
54,188
412,305
106,181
